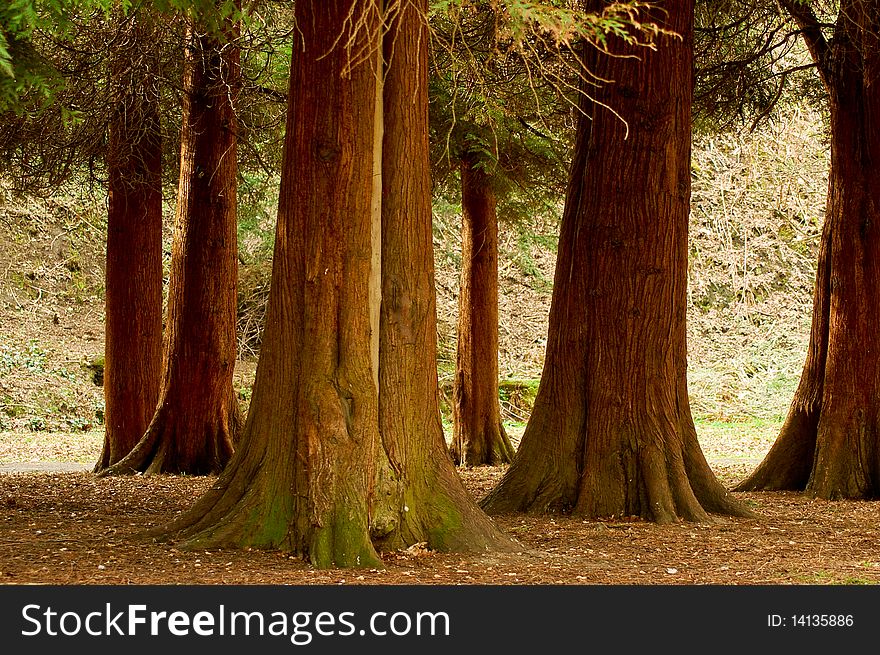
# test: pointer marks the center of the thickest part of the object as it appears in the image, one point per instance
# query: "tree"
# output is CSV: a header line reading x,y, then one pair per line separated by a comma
x,y
300,478
611,434
197,416
56,132
133,323
489,86
478,433
28,80
304,478
829,444
421,498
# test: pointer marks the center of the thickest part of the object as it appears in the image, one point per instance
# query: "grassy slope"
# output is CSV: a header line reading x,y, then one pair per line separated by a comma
x,y
758,202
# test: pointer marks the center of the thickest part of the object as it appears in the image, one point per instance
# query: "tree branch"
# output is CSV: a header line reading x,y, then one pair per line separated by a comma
x,y
811,31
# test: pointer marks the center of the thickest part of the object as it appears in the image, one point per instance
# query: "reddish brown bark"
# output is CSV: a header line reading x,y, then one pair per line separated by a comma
x,y
301,477
133,283
197,416
311,475
829,444
611,434
420,497
478,435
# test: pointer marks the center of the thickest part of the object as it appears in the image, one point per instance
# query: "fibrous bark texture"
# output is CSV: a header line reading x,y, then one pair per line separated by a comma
x,y
829,445
133,282
312,475
420,497
478,436
301,477
611,434
197,417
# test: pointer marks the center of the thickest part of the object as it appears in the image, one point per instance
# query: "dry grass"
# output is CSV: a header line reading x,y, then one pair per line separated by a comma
x,y
33,447
757,211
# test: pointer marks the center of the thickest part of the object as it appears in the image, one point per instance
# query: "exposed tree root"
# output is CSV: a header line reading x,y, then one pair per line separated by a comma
x,y
181,441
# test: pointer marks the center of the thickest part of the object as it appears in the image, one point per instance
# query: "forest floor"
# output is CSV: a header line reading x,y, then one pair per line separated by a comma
x,y
756,220
69,527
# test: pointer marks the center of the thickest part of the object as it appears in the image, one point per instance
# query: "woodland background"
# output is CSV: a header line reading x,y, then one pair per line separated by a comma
x,y
757,210
756,217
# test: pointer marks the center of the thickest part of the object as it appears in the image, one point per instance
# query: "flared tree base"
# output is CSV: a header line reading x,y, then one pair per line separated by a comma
x,y
665,482
824,457
183,442
487,447
245,510
438,511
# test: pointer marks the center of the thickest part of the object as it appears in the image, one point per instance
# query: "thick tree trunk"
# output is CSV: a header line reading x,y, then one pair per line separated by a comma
x,y
829,445
133,318
421,498
478,436
311,475
302,475
197,417
611,434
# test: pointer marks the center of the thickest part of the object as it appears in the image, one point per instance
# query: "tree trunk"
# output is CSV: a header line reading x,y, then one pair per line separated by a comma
x,y
611,433
302,475
310,475
421,498
478,434
133,282
829,444
197,417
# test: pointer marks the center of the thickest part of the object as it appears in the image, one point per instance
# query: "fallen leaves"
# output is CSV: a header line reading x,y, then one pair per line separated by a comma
x,y
59,530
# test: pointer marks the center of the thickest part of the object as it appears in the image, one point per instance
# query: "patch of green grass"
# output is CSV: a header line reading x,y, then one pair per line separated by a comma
x,y
524,259
736,441
827,578
515,425
32,359
80,288
256,218
712,423
7,361
45,395
745,389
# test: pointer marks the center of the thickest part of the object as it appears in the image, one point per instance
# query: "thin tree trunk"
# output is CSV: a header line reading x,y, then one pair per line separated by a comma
x,y
197,417
420,497
829,444
611,434
302,475
133,283
478,434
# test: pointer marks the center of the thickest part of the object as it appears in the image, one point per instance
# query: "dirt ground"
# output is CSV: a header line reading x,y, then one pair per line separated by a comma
x,y
69,527
73,528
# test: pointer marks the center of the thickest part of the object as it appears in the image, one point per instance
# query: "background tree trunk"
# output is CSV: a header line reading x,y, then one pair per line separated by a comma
x,y
301,478
420,497
830,442
197,417
611,434
133,323
478,435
